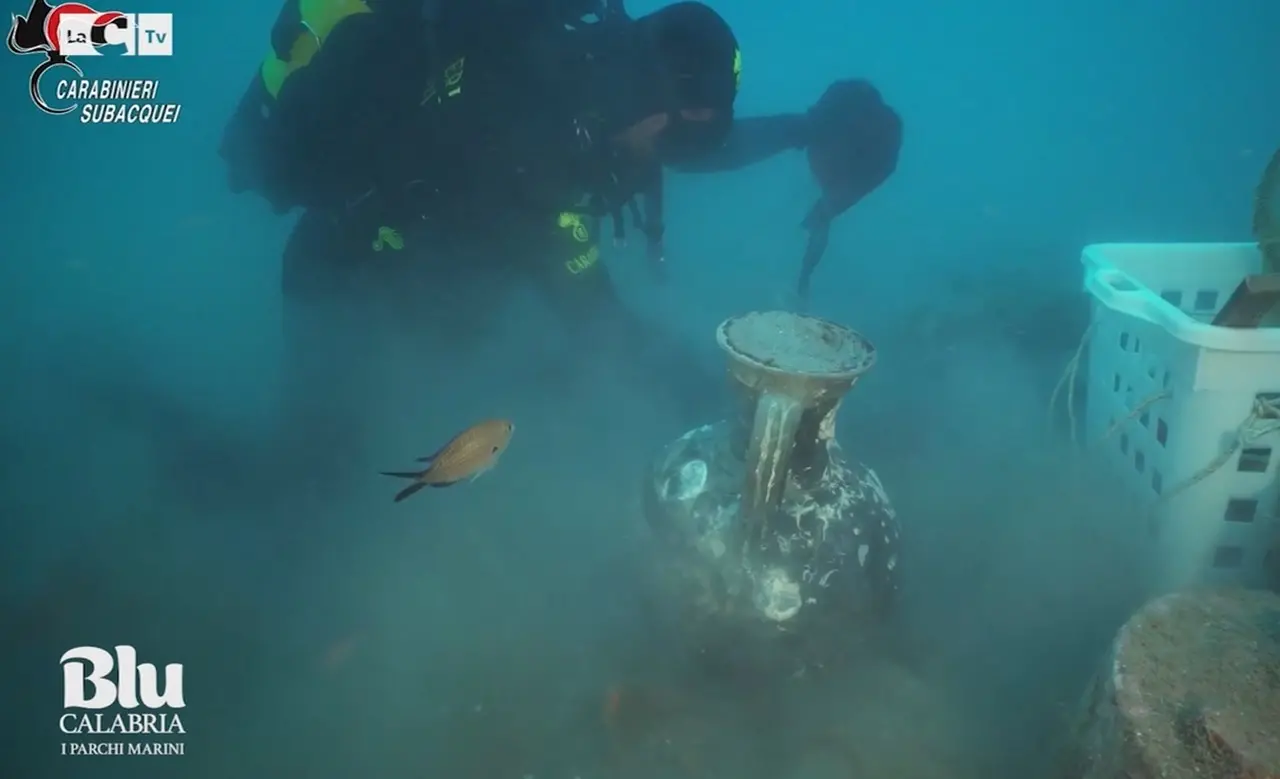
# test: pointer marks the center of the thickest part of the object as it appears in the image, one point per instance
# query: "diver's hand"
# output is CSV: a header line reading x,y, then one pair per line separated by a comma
x,y
854,141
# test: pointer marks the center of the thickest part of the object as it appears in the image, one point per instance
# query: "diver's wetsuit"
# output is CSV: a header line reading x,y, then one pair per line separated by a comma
x,y
402,175
410,160
390,165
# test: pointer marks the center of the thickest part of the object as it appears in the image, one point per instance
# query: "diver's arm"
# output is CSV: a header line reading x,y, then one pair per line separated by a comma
x,y
751,140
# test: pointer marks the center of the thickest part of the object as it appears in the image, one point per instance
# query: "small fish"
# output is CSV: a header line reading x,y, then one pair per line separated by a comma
x,y
466,456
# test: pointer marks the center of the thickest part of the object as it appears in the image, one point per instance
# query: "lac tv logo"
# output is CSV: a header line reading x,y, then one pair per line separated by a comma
x,y
77,30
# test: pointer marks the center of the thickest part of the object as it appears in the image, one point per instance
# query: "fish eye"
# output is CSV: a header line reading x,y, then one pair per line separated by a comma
x,y
495,450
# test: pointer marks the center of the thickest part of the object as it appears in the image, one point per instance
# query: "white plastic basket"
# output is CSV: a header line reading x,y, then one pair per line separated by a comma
x,y
1188,413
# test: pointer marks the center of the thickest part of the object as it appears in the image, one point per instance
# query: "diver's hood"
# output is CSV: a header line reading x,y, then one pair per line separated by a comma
x,y
679,58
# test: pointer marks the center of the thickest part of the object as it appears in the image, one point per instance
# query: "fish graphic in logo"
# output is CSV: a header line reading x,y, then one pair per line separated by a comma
x,y
41,32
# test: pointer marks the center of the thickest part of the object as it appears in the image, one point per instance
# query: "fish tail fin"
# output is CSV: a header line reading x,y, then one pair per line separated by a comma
x,y
412,488
407,491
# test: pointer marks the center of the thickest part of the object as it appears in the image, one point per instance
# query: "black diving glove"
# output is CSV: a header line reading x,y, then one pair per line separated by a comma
x,y
854,141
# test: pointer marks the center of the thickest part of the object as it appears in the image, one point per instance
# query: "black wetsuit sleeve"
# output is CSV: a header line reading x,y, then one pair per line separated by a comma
x,y
751,140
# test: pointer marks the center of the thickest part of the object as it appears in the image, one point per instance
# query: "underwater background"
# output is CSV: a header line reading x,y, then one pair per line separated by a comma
x,y
486,630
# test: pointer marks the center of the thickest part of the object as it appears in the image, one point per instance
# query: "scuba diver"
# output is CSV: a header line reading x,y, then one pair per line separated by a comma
x,y
426,141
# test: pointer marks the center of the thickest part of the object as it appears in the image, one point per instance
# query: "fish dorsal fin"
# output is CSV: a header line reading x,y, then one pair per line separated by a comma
x,y
436,454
